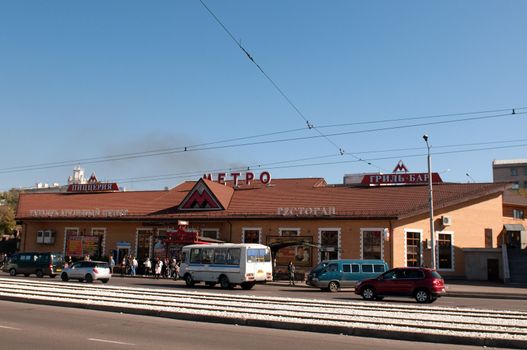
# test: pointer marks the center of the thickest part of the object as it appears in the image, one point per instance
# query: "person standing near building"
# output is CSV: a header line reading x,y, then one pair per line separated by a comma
x,y
291,269
148,266
133,266
112,263
158,268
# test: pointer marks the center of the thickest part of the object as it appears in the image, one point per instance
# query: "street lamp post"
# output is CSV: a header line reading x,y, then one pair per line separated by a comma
x,y
431,204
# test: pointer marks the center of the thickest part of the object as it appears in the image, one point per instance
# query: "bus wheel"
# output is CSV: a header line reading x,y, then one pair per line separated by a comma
x,y
189,281
247,285
224,282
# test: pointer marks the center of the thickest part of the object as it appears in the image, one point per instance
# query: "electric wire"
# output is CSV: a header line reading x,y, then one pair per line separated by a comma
x,y
95,160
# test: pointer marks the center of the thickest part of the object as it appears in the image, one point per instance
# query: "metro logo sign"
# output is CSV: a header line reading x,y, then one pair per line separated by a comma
x,y
200,198
400,179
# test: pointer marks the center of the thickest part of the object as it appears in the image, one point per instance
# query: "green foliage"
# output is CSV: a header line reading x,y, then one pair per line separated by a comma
x,y
8,205
7,220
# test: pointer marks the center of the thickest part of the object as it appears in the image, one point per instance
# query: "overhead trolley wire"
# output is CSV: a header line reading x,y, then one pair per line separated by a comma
x,y
309,125
185,149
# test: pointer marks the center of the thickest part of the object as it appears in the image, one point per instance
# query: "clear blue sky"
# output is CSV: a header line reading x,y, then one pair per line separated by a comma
x,y
100,78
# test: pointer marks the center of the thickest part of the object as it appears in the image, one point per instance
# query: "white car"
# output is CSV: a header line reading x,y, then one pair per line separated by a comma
x,y
88,271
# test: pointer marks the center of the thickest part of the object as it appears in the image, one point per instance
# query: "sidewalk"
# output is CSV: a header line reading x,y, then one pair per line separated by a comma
x,y
461,289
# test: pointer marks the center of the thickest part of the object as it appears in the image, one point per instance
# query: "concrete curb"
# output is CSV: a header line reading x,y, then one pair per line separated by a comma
x,y
352,331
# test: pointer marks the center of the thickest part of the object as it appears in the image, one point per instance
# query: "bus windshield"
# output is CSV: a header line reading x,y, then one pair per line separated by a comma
x,y
258,255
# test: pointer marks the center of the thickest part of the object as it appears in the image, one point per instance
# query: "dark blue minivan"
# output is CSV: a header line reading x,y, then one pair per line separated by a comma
x,y
331,275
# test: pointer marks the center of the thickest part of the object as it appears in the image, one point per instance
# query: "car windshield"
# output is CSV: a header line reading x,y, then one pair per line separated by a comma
x,y
320,266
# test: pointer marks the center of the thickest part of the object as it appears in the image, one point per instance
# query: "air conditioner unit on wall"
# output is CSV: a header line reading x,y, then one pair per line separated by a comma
x,y
40,237
446,220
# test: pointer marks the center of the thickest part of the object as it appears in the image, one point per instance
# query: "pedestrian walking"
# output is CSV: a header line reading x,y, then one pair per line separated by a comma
x,y
291,269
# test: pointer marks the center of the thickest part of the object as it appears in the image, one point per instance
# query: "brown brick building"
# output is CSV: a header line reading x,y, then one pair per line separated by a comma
x,y
327,221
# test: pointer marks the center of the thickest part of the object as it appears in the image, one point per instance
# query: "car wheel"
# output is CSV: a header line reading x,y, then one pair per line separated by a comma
x,y
189,281
422,296
88,278
368,293
105,280
40,274
333,286
224,282
12,272
64,277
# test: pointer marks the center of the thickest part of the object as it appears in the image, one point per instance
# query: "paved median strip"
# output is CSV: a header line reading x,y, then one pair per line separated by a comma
x,y
409,322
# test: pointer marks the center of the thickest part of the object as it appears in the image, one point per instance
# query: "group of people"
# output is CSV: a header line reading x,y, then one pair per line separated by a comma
x,y
164,268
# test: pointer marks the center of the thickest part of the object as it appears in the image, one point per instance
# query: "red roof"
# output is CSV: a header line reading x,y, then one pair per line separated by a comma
x,y
255,200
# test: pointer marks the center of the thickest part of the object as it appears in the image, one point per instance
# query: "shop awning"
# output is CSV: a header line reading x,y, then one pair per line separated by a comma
x,y
514,227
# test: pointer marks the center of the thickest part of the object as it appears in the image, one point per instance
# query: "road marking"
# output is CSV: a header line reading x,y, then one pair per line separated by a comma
x,y
110,341
12,328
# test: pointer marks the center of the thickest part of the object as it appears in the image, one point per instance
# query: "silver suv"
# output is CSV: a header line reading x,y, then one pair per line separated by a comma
x,y
88,271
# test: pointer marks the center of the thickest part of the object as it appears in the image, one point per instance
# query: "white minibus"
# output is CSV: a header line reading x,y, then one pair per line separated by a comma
x,y
228,264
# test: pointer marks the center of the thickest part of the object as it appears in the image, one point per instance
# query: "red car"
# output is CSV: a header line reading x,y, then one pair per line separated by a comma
x,y
423,284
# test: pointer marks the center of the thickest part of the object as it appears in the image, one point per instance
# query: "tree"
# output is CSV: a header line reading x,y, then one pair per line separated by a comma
x,y
7,220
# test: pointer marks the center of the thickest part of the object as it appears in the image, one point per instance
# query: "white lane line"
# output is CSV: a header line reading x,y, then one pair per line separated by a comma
x,y
12,328
110,341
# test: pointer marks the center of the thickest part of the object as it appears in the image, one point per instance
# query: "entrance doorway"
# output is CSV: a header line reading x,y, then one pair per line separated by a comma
x,y
493,271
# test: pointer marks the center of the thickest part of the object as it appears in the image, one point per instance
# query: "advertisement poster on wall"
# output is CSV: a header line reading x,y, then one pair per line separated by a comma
x,y
300,255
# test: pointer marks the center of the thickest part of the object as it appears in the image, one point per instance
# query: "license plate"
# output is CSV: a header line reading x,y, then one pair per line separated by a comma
x,y
58,270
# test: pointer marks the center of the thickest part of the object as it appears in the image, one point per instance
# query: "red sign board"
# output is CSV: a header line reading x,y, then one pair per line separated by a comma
x,y
181,236
400,179
93,187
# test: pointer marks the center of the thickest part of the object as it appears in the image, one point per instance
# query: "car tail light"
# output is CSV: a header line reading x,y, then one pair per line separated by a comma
x,y
51,266
95,270
438,282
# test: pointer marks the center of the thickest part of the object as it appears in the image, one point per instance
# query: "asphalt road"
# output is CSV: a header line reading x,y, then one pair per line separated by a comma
x,y
273,290
27,326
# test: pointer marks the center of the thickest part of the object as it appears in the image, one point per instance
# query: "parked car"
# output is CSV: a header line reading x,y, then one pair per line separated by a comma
x,y
38,263
331,275
423,284
88,271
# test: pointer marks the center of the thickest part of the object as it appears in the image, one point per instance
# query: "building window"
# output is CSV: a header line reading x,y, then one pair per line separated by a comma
x,y
518,214
372,244
329,243
515,185
413,248
291,232
488,238
525,171
445,251
210,233
514,172
251,235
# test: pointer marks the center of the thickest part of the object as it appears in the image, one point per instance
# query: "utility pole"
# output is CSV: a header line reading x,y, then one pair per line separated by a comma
x,y
431,205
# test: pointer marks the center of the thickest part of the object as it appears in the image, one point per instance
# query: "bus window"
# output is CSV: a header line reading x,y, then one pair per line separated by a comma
x,y
355,268
195,256
233,256
207,254
367,268
258,255
378,268
220,256
346,268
